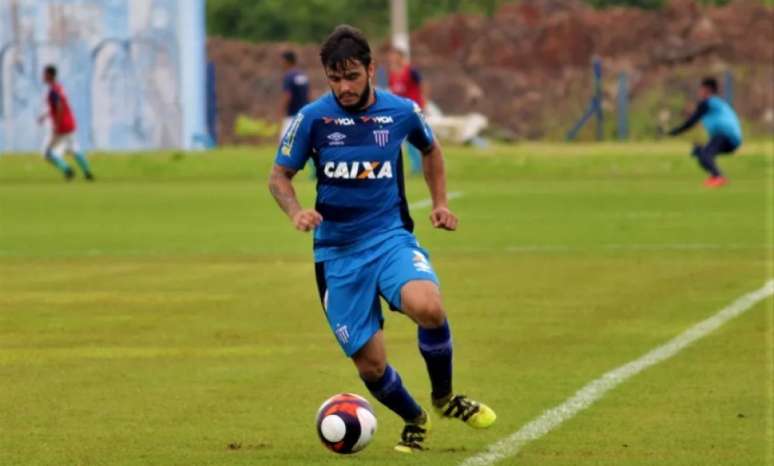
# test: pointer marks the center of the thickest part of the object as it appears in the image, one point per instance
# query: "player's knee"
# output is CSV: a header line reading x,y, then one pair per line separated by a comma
x,y
423,304
370,369
430,313
435,315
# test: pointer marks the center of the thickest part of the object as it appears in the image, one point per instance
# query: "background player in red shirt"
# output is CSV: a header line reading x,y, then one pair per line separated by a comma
x,y
63,129
404,80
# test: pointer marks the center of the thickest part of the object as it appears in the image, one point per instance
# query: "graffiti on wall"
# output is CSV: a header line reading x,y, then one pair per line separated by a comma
x,y
118,60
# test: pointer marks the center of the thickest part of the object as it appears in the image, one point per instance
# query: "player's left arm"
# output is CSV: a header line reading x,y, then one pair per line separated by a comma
x,y
435,177
421,136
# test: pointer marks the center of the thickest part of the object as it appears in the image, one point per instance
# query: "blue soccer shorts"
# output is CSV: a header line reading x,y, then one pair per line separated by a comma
x,y
350,287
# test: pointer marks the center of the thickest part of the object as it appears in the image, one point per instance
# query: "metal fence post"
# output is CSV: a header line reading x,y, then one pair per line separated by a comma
x,y
728,87
623,106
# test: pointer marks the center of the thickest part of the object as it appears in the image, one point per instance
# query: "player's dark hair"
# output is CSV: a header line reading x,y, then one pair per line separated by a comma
x,y
345,44
50,70
289,56
711,84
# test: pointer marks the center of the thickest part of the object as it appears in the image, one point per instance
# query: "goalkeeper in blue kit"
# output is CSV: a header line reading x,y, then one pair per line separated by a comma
x,y
364,248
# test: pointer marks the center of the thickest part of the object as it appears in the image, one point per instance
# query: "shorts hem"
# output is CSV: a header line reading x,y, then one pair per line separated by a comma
x,y
360,346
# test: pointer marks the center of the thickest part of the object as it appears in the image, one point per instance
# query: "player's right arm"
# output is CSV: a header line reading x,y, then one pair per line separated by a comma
x,y
281,187
292,154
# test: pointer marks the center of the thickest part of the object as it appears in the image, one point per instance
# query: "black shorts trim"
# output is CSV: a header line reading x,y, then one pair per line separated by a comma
x,y
322,285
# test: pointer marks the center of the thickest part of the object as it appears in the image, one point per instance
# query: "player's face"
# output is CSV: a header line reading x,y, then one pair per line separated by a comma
x,y
704,92
351,85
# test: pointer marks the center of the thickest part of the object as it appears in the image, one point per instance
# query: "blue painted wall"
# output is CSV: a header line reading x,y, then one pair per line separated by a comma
x,y
134,71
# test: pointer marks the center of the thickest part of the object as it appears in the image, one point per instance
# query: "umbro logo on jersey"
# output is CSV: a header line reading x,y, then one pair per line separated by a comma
x,y
336,139
345,121
358,170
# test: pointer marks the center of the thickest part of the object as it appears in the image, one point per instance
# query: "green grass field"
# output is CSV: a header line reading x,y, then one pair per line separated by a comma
x,y
167,314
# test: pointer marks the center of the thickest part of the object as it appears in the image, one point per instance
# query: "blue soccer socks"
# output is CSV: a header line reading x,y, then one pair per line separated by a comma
x,y
389,390
60,164
435,344
80,159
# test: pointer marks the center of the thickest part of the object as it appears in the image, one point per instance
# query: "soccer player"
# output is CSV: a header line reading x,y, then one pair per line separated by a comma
x,y
63,129
364,248
295,90
404,80
722,124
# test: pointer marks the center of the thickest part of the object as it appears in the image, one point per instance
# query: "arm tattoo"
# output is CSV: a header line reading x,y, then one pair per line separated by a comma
x,y
281,188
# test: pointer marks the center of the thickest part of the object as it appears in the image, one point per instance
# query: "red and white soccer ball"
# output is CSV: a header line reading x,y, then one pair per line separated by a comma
x,y
346,423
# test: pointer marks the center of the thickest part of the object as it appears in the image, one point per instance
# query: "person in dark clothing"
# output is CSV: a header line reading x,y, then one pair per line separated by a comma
x,y
295,91
722,125
295,94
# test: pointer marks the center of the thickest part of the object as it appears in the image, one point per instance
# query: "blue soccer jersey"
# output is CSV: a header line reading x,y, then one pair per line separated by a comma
x,y
360,191
721,120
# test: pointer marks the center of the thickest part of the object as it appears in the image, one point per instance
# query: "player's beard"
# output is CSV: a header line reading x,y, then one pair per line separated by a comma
x,y
361,102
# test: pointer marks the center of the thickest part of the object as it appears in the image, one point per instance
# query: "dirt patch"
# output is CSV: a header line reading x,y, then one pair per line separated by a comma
x,y
251,446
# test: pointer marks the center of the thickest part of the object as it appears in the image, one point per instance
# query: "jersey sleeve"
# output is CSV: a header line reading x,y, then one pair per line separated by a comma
x,y
287,82
420,135
296,145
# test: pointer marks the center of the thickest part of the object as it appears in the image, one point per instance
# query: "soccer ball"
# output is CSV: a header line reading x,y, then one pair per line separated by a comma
x,y
346,423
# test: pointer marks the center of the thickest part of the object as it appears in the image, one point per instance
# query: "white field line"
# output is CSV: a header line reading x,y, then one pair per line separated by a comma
x,y
428,202
596,389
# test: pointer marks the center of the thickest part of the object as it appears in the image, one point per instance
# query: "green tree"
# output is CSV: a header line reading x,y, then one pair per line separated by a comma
x,y
312,20
307,21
